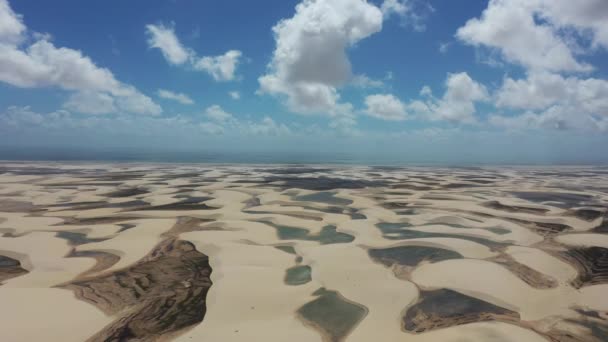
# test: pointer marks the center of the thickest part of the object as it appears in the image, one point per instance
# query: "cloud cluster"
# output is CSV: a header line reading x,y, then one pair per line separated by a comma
x,y
511,28
553,118
42,64
310,61
221,68
540,90
547,38
385,107
220,121
531,32
553,101
457,105
23,119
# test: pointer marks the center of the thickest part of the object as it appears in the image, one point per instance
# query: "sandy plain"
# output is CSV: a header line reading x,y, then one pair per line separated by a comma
x,y
159,252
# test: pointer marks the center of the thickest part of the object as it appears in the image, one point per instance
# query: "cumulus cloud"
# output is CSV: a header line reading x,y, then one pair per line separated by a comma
x,y
512,27
541,90
411,12
457,104
310,61
426,91
216,113
553,118
89,102
553,101
235,95
163,38
585,16
42,64
179,97
385,107
547,38
221,68
12,29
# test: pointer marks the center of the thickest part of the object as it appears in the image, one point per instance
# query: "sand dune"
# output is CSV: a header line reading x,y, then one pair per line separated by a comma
x,y
145,252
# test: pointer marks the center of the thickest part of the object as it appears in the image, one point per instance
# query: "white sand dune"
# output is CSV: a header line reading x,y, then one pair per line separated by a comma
x,y
254,231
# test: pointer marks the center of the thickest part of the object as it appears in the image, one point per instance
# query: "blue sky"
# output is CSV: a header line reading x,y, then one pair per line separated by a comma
x,y
510,81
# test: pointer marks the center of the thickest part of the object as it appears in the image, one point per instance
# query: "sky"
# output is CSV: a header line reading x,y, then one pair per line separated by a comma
x,y
421,81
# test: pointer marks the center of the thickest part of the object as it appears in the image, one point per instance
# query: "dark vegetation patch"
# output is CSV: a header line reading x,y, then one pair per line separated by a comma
x,y
163,293
591,263
445,308
10,268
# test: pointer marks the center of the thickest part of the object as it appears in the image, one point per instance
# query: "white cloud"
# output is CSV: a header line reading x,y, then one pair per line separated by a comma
x,y
132,101
128,100
163,38
546,37
41,64
235,95
216,113
385,107
458,102
179,97
222,122
266,127
412,12
553,101
12,29
310,60
89,102
15,121
554,118
398,7
541,90
586,16
426,91
19,116
221,68
364,81
512,27
462,88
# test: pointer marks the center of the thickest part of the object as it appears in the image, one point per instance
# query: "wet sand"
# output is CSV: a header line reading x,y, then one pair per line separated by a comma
x,y
159,252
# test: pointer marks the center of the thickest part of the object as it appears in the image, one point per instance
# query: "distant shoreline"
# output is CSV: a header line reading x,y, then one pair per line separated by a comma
x,y
295,164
